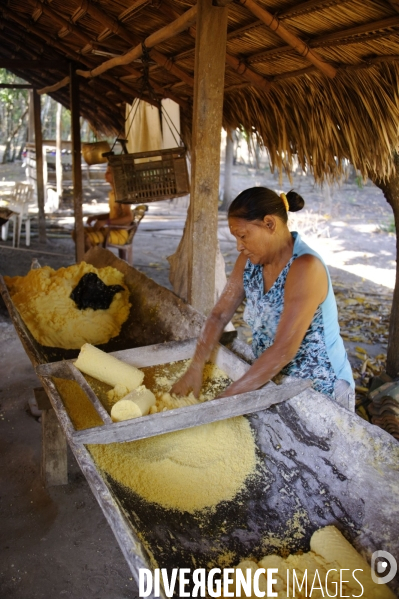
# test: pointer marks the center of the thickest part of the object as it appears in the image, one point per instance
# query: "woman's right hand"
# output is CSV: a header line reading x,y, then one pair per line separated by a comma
x,y
190,381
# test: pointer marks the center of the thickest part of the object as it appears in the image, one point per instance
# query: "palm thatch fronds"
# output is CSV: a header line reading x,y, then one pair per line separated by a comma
x,y
321,122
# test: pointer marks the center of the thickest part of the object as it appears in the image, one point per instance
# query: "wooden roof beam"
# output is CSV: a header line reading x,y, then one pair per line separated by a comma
x,y
37,63
107,115
243,69
56,18
303,49
85,39
250,75
87,90
180,24
394,4
14,85
331,39
120,30
239,67
367,63
65,50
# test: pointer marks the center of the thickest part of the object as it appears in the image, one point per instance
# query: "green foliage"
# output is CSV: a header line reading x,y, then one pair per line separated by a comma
x,y
13,103
359,181
389,227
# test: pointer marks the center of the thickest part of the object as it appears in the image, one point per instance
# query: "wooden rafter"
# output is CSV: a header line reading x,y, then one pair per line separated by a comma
x,y
86,40
64,49
121,31
236,64
327,40
100,99
307,7
39,63
294,41
181,23
106,114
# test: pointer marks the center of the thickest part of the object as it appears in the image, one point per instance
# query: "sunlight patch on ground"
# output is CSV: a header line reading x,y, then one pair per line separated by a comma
x,y
350,261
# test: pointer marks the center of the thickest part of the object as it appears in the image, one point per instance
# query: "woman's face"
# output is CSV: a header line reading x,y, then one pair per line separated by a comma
x,y
253,237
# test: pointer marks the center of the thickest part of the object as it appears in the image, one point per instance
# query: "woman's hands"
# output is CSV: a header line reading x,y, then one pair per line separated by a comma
x,y
99,224
190,381
97,221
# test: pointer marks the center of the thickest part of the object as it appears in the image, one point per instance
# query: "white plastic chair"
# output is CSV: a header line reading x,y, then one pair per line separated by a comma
x,y
19,203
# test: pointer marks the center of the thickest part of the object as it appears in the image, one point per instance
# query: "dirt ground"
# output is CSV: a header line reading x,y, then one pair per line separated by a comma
x,y
56,542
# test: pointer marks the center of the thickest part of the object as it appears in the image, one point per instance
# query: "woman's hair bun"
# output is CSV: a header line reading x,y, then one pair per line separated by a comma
x,y
295,201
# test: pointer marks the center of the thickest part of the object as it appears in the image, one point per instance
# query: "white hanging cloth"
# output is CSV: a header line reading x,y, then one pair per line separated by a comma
x,y
142,128
170,124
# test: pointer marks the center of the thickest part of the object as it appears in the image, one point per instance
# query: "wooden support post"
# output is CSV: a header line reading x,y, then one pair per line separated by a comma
x,y
58,153
228,169
54,451
76,165
54,445
39,166
390,189
210,55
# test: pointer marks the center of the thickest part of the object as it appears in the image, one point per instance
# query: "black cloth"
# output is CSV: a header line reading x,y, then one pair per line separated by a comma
x,y
91,292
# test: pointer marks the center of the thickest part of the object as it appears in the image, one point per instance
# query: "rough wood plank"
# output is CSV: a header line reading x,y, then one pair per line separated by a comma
x,y
43,402
76,165
54,451
191,416
79,378
125,534
210,55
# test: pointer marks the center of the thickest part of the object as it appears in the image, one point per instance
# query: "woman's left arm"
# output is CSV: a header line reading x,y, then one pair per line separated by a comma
x,y
305,289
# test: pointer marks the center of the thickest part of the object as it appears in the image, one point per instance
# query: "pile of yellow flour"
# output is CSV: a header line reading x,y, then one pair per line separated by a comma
x,y
188,470
43,300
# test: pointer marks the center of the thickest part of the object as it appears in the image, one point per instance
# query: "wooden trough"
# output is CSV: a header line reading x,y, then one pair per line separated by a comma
x,y
318,464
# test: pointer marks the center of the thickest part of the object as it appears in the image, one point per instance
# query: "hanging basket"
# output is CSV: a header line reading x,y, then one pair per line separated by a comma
x,y
150,176
93,152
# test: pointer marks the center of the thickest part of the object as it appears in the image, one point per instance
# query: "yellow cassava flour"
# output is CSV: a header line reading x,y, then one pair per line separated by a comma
x,y
43,300
188,470
79,407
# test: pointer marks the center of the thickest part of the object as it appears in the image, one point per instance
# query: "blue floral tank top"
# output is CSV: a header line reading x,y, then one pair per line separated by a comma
x,y
263,312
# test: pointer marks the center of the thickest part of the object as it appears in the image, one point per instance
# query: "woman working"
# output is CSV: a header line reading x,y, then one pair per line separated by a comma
x,y
290,306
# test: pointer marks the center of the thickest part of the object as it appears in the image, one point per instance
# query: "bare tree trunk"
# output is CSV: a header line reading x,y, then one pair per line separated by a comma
x,y
390,189
228,170
7,151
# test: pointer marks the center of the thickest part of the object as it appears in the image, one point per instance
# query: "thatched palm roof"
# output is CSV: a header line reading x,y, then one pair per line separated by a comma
x,y
294,107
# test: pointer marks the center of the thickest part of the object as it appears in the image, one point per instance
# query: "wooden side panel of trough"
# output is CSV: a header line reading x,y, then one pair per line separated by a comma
x,y
130,544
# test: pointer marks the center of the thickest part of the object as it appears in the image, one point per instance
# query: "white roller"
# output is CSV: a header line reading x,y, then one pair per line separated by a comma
x,y
106,368
137,403
124,410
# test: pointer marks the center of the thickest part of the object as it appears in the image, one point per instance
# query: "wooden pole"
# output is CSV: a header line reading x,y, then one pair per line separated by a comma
x,y
76,165
39,166
58,152
228,169
210,55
